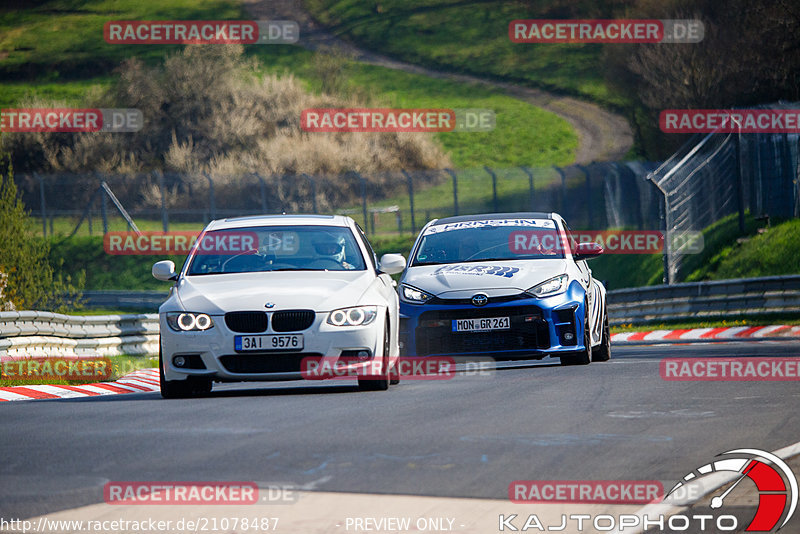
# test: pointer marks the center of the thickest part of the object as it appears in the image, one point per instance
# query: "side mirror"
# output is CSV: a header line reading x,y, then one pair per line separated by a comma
x,y
165,271
392,263
587,251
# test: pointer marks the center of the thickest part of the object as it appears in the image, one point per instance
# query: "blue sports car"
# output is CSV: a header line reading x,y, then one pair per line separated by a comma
x,y
508,285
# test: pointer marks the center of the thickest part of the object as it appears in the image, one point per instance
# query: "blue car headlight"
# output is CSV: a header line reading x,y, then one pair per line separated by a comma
x,y
189,322
548,288
414,295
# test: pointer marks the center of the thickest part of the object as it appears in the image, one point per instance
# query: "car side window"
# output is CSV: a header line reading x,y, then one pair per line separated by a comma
x,y
369,247
582,263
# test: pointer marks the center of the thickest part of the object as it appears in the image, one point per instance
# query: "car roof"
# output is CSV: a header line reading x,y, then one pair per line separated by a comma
x,y
280,220
491,216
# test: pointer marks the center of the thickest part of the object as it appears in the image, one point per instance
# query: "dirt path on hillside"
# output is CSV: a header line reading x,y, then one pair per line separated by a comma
x,y
602,135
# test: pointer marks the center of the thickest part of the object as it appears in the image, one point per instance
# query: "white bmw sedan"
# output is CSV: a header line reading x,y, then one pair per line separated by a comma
x,y
284,297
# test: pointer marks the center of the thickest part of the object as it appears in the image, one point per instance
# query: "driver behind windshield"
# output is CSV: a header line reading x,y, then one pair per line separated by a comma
x,y
330,248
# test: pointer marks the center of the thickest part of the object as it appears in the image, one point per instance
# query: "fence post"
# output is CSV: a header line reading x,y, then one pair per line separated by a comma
x,y
163,190
42,205
455,190
104,211
663,208
363,198
527,171
494,188
212,201
588,175
739,178
313,192
410,198
563,202
263,188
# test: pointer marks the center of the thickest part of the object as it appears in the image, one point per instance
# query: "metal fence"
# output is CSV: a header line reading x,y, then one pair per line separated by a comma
x,y
595,196
712,176
720,174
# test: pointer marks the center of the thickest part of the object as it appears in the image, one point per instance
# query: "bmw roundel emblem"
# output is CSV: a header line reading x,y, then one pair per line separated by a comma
x,y
480,299
269,305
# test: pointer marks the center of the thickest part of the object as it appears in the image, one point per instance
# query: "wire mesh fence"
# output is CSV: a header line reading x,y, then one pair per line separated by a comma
x,y
719,174
597,196
712,176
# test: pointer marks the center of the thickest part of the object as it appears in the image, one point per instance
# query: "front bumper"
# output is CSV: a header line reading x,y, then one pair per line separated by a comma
x,y
219,361
539,327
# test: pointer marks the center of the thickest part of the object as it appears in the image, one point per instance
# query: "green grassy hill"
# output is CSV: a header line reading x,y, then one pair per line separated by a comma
x,y
55,50
470,37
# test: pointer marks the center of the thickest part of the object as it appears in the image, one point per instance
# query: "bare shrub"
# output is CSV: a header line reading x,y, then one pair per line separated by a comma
x,y
209,110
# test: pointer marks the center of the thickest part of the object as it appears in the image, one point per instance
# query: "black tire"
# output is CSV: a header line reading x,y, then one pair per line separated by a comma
x,y
581,357
394,375
181,389
380,382
603,352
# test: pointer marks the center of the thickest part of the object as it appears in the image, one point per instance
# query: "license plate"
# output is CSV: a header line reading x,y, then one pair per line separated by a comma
x,y
486,324
270,342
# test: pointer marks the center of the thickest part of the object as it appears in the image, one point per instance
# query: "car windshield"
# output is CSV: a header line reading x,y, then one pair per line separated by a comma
x,y
501,239
277,248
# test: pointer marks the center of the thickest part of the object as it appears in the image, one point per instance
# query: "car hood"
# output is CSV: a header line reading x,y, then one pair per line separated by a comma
x,y
495,278
313,290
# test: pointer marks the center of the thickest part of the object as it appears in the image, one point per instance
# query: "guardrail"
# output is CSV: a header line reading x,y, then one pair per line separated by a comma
x,y
27,334
33,333
124,300
711,299
675,302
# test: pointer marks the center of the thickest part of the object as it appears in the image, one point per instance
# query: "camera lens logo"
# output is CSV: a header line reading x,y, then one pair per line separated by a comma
x,y
776,484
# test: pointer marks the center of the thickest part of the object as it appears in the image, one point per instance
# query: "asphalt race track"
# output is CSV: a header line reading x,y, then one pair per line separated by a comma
x,y
465,437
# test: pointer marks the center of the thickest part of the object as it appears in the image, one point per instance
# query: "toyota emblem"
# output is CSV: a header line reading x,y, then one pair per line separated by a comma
x,y
480,299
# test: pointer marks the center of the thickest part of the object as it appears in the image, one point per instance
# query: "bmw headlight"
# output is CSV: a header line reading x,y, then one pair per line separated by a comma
x,y
550,287
356,316
414,295
189,322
